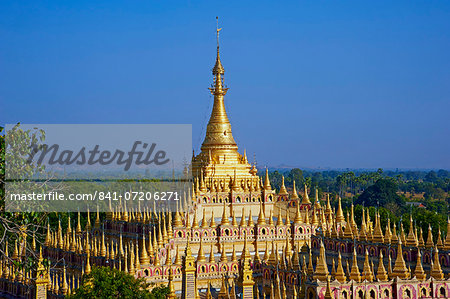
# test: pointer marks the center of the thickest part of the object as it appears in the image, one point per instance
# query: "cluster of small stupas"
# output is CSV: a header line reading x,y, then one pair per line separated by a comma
x,y
362,262
239,238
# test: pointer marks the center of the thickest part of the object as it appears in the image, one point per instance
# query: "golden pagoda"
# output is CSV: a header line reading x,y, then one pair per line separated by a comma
x,y
220,173
219,161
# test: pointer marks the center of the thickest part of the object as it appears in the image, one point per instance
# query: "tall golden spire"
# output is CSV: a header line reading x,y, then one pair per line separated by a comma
x,y
212,223
328,293
340,274
218,131
419,273
298,216
367,271
305,199
219,159
348,234
223,256
447,239
267,181
171,294
388,234
321,272
294,192
411,240
430,242
436,271
225,220
354,272
394,238
261,217
400,269
204,223
200,255
381,273
283,190
250,219
420,239
378,233
339,214
439,242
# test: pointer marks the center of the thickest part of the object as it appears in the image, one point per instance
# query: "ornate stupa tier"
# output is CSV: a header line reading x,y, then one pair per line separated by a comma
x,y
218,132
223,165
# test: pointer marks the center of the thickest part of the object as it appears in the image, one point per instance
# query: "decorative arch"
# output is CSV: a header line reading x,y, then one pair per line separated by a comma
x,y
315,244
406,256
423,292
344,294
406,293
443,261
311,293
360,249
392,253
360,294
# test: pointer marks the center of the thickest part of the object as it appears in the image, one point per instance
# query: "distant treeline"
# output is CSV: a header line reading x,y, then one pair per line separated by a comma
x,y
428,197
435,184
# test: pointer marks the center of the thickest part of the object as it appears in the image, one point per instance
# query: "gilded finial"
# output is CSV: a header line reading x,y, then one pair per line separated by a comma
x,y
218,68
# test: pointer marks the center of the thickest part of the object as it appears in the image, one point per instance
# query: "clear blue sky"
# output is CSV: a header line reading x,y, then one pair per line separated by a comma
x,y
313,84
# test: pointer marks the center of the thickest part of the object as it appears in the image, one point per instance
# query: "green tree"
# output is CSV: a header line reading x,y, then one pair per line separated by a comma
x,y
296,175
104,282
15,147
383,193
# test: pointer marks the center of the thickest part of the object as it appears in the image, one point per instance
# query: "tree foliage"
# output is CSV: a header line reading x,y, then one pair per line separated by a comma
x,y
18,226
104,282
382,193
